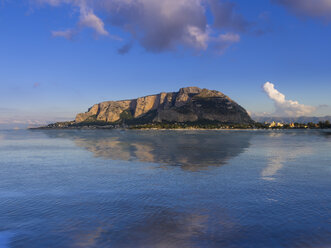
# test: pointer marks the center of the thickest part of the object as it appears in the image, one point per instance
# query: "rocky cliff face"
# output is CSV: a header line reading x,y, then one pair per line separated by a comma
x,y
190,104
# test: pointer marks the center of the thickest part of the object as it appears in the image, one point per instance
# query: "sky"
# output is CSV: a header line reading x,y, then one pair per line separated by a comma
x,y
59,57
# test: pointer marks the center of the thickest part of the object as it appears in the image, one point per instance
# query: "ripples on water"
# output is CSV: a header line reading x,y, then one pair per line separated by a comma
x,y
111,188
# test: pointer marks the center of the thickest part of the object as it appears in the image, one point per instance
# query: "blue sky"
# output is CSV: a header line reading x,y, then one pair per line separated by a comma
x,y
59,57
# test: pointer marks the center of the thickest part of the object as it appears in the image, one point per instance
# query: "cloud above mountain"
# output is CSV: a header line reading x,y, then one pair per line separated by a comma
x,y
158,25
284,107
312,8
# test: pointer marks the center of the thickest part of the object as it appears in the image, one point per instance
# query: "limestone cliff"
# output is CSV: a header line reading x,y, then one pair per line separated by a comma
x,y
190,104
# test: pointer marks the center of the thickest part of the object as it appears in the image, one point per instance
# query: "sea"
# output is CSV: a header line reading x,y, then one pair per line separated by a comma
x,y
165,188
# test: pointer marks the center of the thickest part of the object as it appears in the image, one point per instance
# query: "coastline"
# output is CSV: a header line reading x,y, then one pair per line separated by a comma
x,y
176,129
198,125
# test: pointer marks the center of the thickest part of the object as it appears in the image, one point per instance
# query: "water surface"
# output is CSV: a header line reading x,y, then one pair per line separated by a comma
x,y
113,188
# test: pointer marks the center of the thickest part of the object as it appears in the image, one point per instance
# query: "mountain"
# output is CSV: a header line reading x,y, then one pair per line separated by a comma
x,y
301,119
190,104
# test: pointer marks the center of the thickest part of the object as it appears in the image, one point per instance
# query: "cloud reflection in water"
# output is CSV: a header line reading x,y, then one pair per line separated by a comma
x,y
284,149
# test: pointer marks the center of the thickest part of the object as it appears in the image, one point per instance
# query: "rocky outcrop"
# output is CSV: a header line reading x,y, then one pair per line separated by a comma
x,y
190,104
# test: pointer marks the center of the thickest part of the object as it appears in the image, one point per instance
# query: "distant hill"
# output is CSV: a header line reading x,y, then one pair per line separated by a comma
x,y
188,105
301,119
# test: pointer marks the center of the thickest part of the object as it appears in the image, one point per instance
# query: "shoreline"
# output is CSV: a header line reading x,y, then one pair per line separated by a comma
x,y
72,125
178,129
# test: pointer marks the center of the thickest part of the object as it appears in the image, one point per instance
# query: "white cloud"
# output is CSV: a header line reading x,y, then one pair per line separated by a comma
x,y
224,41
197,38
159,25
229,37
68,34
312,8
285,107
13,116
36,85
225,16
89,19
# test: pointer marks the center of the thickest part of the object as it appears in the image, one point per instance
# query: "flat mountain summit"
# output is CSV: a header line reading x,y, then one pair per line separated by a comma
x,y
190,104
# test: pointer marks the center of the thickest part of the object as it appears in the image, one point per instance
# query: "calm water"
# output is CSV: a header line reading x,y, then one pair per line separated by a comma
x,y
103,188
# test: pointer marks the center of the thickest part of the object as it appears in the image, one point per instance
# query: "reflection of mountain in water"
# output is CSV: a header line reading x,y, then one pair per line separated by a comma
x,y
190,149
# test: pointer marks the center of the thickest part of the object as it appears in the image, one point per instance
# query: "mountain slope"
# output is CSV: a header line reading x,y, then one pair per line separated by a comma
x,y
190,104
